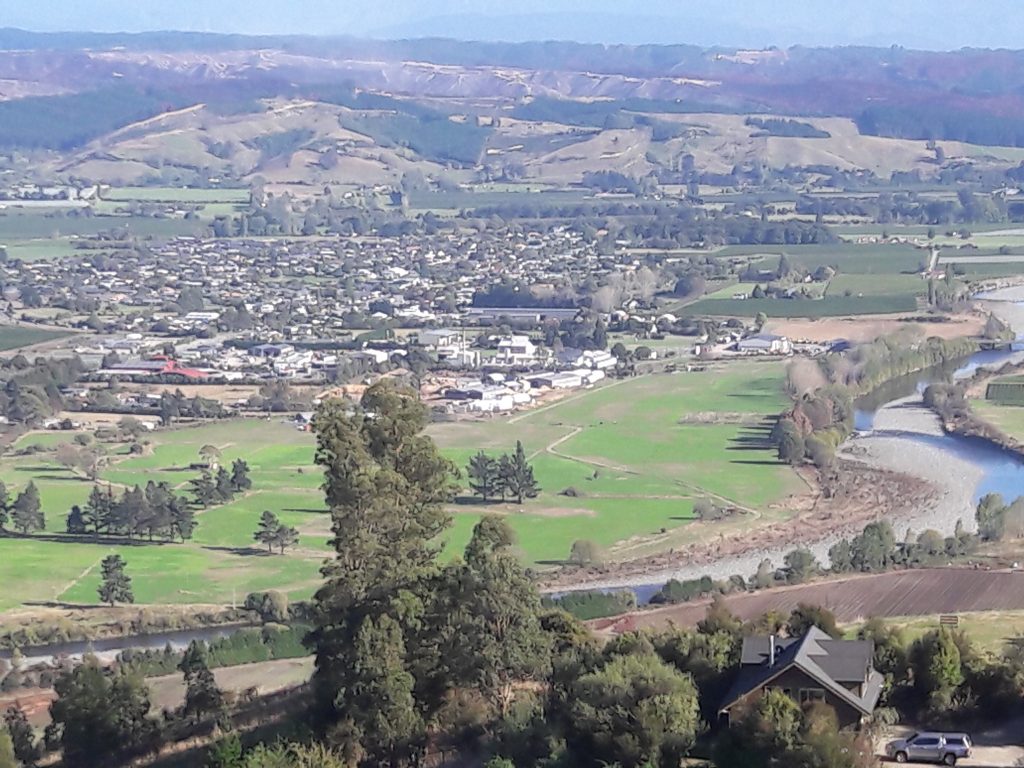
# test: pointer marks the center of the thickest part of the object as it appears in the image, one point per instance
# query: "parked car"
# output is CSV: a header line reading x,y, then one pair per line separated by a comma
x,y
929,747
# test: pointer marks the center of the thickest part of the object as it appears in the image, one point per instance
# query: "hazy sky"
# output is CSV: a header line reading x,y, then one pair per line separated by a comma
x,y
941,24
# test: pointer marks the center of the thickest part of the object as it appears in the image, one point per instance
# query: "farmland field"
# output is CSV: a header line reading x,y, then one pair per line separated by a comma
x,y
830,306
38,225
1007,417
635,457
177,195
36,250
15,336
989,630
635,453
869,279
848,258
924,592
219,564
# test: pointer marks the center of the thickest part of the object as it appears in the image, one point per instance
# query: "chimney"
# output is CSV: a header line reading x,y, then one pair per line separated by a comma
x,y
771,650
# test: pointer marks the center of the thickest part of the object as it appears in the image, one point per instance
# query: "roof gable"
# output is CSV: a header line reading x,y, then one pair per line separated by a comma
x,y
828,661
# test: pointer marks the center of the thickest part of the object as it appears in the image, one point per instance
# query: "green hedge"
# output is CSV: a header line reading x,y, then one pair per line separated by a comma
x,y
1005,392
593,604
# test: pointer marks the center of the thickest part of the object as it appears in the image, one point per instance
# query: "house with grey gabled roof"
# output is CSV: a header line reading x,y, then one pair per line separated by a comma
x,y
812,668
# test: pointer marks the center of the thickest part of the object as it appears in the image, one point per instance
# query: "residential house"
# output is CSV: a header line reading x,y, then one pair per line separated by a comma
x,y
812,668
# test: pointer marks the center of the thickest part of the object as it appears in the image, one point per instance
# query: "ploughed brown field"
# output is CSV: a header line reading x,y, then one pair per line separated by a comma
x,y
921,592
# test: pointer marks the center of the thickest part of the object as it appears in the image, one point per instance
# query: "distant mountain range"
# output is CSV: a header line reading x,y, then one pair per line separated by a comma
x,y
949,25
701,29
99,99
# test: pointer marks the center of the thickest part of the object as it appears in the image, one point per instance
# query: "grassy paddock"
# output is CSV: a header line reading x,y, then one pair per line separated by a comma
x,y
989,631
220,564
632,450
176,195
38,225
830,306
16,336
634,467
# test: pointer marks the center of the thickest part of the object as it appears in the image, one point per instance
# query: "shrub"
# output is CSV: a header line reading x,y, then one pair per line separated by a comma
x,y
585,552
272,606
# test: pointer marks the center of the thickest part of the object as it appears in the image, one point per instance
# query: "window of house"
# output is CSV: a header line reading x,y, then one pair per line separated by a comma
x,y
811,695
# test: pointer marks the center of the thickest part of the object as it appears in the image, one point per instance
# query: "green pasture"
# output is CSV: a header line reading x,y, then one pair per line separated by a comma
x,y
635,469
219,564
848,258
869,280
877,285
15,336
989,631
36,225
830,306
176,195
39,250
1008,418
636,454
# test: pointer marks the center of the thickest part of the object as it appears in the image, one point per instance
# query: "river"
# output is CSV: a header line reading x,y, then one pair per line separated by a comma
x,y
895,431
107,649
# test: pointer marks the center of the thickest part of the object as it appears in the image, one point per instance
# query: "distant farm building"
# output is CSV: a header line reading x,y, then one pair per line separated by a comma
x,y
764,344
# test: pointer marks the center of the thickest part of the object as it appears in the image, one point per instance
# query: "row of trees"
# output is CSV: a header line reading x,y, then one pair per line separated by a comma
x,y
822,413
25,513
220,485
998,520
509,476
640,700
155,511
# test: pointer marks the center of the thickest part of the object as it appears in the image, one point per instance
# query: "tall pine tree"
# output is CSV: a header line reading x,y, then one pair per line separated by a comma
x,y
386,485
483,475
517,475
266,532
496,640
97,514
240,481
27,511
115,584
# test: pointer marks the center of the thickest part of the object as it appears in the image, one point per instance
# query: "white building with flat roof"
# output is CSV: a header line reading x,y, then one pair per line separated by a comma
x,y
516,351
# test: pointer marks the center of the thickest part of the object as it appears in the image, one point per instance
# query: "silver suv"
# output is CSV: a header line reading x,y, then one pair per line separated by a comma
x,y
929,747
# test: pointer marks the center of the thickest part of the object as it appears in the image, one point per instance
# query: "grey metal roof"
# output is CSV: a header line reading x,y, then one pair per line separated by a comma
x,y
757,648
830,662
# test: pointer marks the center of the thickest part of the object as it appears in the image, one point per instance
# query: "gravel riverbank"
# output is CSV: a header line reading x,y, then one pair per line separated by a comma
x,y
907,438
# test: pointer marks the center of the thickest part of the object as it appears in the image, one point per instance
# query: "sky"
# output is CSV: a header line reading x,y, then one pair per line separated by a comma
x,y
931,24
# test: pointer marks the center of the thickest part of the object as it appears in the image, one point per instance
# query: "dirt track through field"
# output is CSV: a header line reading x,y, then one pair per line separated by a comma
x,y
921,592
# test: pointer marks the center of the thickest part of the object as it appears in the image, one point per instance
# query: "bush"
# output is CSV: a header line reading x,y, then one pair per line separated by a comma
x,y
705,509
820,452
676,591
585,552
272,606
